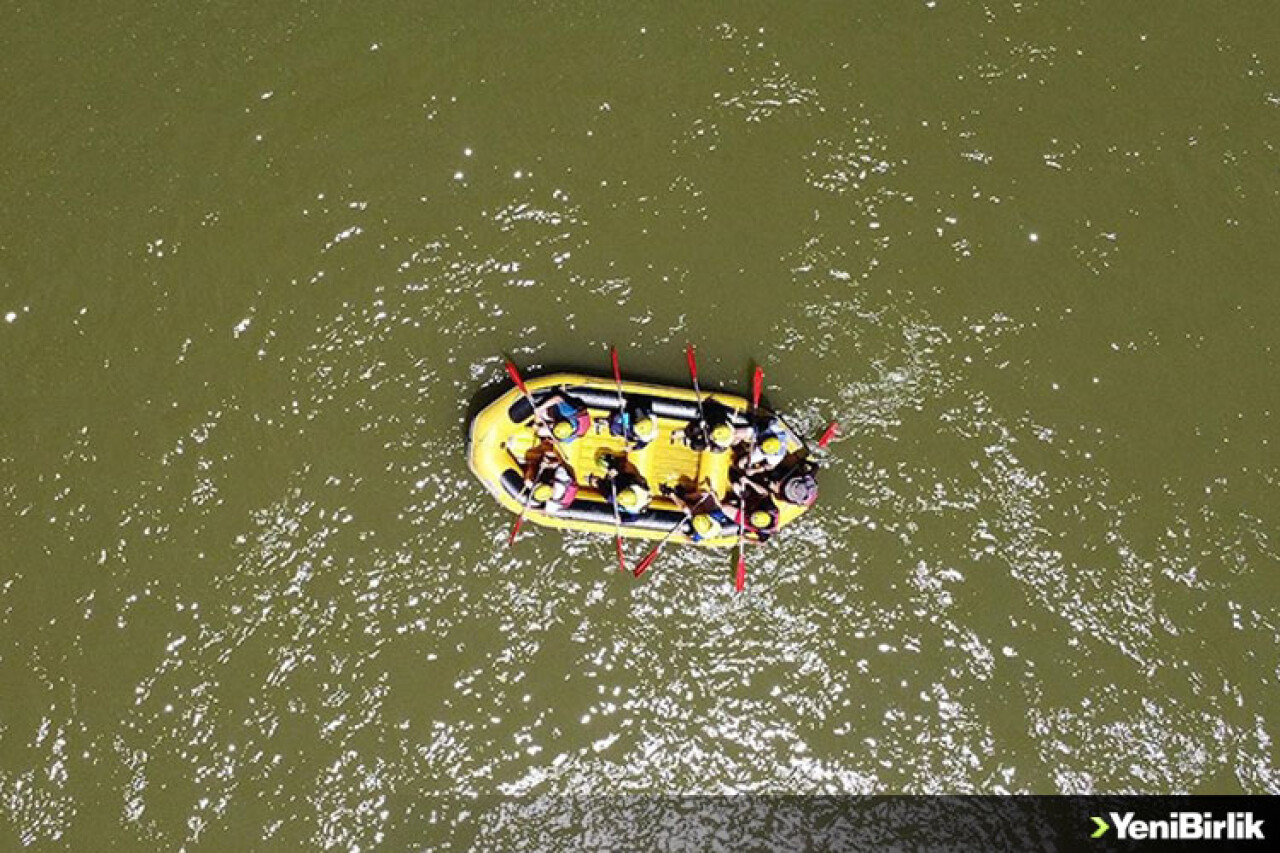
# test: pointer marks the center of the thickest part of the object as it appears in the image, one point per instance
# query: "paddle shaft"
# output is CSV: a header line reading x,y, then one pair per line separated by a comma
x,y
515,531
617,379
740,579
617,520
693,373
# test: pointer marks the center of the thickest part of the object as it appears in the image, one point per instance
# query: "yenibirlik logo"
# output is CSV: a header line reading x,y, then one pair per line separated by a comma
x,y
1183,826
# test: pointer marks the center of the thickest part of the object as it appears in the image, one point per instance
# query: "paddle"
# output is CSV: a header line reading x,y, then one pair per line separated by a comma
x,y
515,531
528,497
617,378
829,433
622,419
740,579
617,521
693,372
514,373
653,555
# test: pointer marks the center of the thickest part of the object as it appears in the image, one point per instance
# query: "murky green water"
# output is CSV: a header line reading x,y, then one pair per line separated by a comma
x,y
255,263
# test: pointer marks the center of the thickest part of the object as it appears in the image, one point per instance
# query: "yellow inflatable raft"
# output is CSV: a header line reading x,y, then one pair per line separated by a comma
x,y
502,437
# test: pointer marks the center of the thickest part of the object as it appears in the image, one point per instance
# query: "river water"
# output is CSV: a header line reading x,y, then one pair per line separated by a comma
x,y
257,263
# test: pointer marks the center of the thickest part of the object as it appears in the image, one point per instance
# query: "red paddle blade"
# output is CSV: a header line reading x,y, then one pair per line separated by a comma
x,y
515,376
757,381
646,563
515,531
693,363
740,580
828,435
622,561
617,374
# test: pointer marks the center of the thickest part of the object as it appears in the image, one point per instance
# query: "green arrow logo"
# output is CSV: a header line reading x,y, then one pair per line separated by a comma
x,y
1103,826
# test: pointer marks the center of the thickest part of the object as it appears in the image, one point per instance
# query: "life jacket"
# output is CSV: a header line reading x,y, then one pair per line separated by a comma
x,y
566,489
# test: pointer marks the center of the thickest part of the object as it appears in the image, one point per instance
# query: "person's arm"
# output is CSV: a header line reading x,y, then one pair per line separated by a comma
x,y
676,496
715,499
756,466
550,403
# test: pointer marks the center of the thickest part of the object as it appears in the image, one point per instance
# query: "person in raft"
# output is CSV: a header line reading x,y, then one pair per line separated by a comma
x,y
624,489
635,423
797,486
713,429
765,456
770,448
706,515
565,418
716,435
760,513
554,486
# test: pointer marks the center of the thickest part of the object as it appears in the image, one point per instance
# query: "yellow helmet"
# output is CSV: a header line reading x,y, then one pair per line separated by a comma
x,y
629,497
722,434
760,518
543,492
771,445
646,427
562,429
704,525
